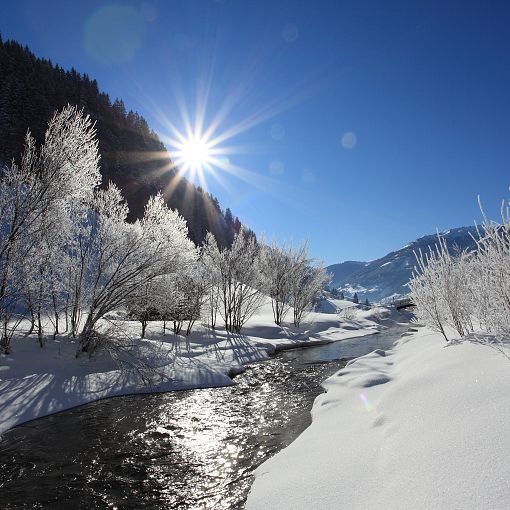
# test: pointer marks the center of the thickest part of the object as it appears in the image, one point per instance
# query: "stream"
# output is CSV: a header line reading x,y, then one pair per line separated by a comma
x,y
178,450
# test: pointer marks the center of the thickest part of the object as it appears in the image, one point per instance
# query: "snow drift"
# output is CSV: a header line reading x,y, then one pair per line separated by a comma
x,y
422,426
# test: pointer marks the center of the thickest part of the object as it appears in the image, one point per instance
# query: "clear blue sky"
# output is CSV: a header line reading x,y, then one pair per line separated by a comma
x,y
368,123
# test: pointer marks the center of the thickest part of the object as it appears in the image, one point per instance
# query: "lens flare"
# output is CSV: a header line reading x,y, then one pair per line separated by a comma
x,y
368,406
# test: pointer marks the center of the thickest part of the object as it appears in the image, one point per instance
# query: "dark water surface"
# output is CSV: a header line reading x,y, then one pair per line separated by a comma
x,y
189,449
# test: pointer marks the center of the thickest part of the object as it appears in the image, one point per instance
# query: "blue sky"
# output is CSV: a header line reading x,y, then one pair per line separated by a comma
x,y
366,124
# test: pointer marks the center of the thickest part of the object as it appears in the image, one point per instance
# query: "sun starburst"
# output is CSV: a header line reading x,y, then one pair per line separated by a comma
x,y
193,155
201,150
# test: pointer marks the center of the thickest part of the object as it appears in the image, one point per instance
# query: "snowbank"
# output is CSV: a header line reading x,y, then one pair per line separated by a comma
x,y
422,426
35,382
331,305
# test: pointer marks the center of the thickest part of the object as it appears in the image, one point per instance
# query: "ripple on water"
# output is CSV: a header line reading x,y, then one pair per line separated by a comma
x,y
189,449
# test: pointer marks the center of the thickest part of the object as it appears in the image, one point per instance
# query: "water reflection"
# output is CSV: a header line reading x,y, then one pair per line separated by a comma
x,y
352,348
192,449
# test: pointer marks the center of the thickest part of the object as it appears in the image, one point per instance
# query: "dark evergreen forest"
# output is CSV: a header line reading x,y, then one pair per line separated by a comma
x,y
132,156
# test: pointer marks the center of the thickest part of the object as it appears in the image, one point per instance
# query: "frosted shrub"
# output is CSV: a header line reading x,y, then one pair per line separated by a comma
x,y
492,276
468,288
440,290
349,313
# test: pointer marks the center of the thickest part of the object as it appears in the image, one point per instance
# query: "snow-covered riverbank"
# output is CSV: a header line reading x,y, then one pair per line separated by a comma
x,y
422,426
35,382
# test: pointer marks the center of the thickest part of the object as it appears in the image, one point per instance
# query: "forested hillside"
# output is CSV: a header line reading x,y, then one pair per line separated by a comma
x,y
132,156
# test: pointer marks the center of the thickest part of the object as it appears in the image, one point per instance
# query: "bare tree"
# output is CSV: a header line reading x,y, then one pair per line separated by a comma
x,y
122,257
64,171
279,265
239,279
308,281
210,260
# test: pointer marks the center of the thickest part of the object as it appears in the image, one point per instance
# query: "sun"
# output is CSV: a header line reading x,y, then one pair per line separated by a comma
x,y
200,149
207,145
199,153
194,154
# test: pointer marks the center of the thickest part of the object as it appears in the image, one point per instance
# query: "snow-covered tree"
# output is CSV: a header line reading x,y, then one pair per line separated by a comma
x,y
240,280
33,194
121,257
308,281
280,265
186,305
163,297
43,273
141,305
210,262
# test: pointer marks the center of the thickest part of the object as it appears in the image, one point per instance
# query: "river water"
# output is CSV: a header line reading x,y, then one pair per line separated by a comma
x,y
188,449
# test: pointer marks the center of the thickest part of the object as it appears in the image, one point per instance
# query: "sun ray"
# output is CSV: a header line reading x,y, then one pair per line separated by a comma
x,y
219,178
199,149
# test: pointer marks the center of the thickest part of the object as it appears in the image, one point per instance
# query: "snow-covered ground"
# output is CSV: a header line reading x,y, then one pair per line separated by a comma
x,y
38,381
422,426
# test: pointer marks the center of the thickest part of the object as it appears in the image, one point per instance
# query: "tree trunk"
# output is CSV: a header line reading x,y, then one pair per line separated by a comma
x,y
5,336
32,323
55,310
86,337
40,328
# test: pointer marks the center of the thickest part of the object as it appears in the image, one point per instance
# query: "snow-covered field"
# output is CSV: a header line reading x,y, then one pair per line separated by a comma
x,y
38,381
422,426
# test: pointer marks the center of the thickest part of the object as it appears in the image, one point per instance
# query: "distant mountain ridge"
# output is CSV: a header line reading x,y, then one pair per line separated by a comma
x,y
343,270
388,276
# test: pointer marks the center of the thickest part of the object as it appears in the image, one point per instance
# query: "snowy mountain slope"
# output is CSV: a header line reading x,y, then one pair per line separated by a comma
x,y
343,270
382,278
